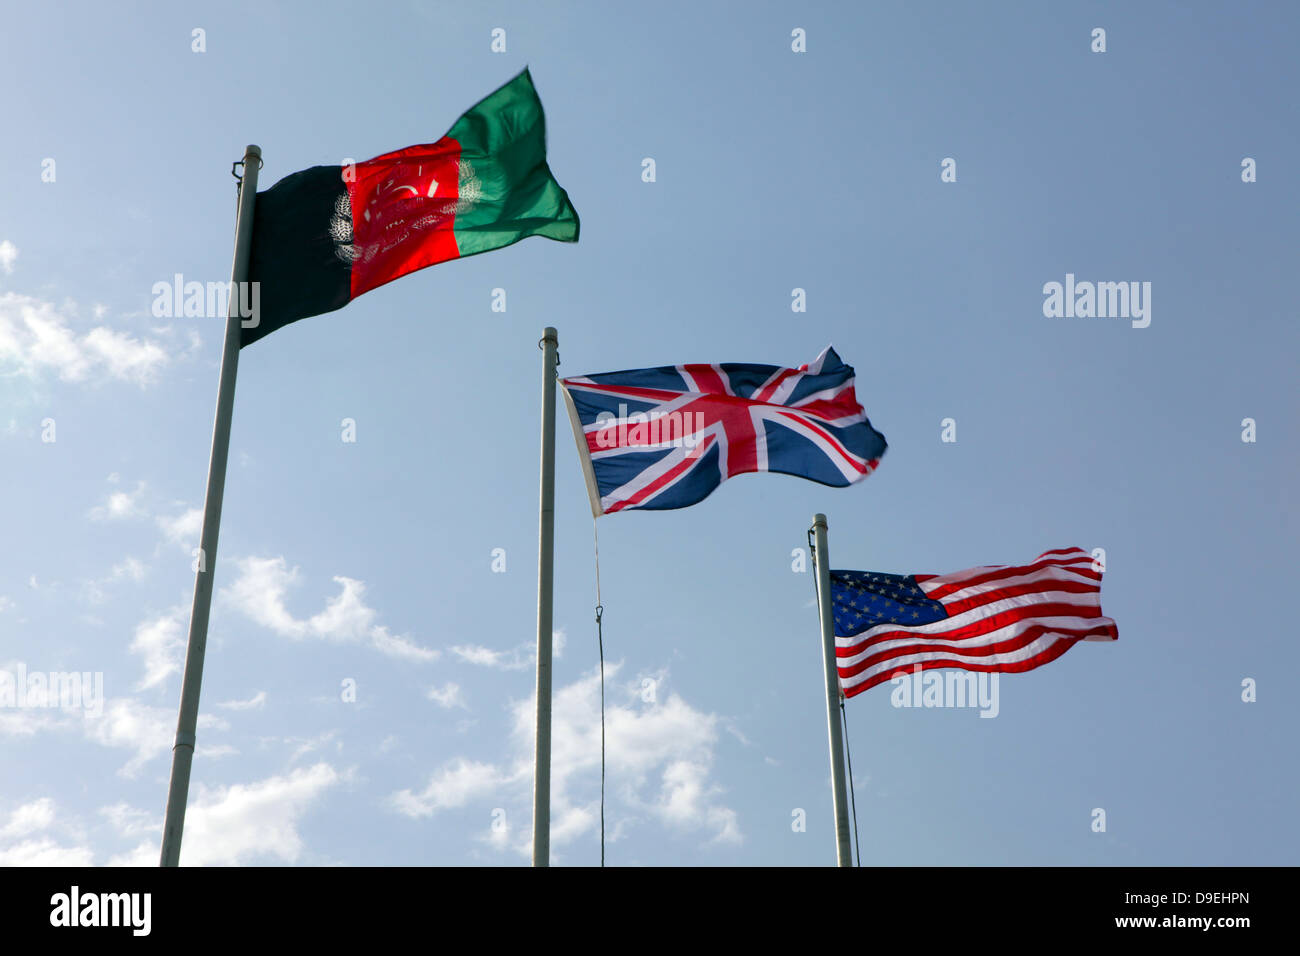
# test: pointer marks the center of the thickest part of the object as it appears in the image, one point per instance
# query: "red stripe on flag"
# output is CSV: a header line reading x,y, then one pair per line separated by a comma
x,y
964,579
404,212
1050,654
936,643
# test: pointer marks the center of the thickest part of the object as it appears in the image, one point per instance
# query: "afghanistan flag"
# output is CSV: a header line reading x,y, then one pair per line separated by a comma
x,y
323,236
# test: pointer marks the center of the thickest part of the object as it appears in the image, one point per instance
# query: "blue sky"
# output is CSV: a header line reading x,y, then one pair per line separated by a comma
x,y
371,561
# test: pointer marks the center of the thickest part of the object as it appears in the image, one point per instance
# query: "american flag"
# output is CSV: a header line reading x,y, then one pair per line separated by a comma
x,y
659,438
995,618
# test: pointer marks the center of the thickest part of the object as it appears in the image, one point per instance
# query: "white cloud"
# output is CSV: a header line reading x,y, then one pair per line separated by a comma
x,y
259,593
130,568
211,752
24,823
6,603
161,642
120,504
183,529
516,658
486,657
212,722
395,645
131,725
662,751
46,852
27,723
449,695
129,821
454,785
245,823
29,818
685,800
8,253
35,336
659,757
123,356
306,746
96,591
257,702
572,822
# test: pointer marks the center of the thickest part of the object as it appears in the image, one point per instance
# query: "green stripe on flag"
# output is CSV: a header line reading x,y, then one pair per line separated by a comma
x,y
507,191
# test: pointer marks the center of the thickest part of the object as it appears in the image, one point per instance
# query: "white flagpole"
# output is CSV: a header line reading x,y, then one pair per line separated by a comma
x,y
187,720
545,574
839,799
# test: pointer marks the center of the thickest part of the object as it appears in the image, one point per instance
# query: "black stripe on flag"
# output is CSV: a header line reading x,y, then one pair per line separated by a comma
x,y
302,230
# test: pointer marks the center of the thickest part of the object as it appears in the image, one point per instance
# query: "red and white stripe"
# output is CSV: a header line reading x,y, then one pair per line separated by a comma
x,y
1000,618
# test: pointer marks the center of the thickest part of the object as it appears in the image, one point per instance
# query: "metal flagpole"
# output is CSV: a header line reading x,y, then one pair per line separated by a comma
x,y
545,572
839,799
183,750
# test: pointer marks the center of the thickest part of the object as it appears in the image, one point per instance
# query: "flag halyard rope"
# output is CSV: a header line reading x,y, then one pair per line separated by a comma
x,y
853,798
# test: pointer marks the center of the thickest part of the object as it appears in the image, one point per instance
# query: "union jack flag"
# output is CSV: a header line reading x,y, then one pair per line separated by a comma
x,y
660,438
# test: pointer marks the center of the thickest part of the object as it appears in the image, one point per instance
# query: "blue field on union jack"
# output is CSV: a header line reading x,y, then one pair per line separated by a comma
x,y
660,438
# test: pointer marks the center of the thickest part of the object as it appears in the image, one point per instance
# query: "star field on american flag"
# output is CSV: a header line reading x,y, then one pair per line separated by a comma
x,y
864,599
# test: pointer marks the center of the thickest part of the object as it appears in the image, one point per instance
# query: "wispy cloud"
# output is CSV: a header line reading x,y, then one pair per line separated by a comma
x,y
256,702
96,590
29,722
30,826
259,593
120,503
660,756
454,785
129,568
131,725
36,337
161,642
244,823
514,659
183,529
29,818
449,695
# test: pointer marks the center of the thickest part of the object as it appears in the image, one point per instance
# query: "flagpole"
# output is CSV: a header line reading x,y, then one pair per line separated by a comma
x,y
187,720
839,798
545,584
